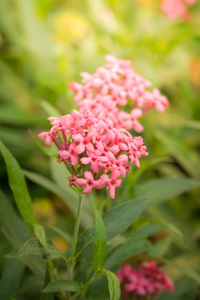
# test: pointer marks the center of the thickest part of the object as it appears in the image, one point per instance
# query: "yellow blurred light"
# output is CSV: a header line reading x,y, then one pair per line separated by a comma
x,y
69,26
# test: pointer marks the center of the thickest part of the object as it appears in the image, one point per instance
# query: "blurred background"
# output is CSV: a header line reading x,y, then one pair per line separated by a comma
x,y
44,45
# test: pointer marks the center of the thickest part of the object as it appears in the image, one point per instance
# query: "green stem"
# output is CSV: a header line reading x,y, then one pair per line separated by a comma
x,y
75,237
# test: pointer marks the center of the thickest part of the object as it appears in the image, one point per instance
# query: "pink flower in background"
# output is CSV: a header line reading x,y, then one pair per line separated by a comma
x,y
95,153
175,9
117,86
145,280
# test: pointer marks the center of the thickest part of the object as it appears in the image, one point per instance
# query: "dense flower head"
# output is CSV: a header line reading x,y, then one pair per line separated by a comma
x,y
95,153
145,280
175,9
114,87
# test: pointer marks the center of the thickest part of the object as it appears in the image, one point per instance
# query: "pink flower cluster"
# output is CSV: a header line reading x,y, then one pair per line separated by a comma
x,y
95,153
175,9
114,87
147,280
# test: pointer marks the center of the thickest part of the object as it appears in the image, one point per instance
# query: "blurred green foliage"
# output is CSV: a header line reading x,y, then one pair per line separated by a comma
x,y
46,44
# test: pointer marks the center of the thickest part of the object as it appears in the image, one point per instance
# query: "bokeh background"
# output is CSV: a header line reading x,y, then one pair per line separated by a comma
x,y
44,45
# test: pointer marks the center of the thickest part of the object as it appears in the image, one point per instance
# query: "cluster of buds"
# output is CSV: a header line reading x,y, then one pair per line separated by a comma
x,y
175,9
95,153
116,87
147,281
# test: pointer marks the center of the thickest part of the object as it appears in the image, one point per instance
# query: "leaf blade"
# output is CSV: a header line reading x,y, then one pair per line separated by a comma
x,y
113,285
122,216
62,286
100,242
18,186
159,190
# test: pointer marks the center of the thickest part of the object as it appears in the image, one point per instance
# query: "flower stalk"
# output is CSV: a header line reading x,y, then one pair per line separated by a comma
x,y
75,237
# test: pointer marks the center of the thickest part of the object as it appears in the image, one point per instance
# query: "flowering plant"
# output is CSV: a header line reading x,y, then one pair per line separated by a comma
x,y
94,144
66,239
92,149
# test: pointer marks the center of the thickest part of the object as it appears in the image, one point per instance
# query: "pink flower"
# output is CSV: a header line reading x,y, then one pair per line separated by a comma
x,y
112,182
146,280
71,153
175,9
94,152
111,87
89,182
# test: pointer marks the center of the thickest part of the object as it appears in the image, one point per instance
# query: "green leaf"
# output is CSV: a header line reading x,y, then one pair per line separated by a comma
x,y
161,247
18,185
133,247
62,286
148,229
32,247
113,285
40,234
171,227
137,173
122,216
100,242
159,190
11,278
117,220
186,157
12,226
112,256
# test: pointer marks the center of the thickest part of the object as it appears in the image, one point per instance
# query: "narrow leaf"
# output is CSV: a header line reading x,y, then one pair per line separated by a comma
x,y
113,285
18,185
133,247
171,227
100,242
159,190
40,234
32,247
12,226
186,157
122,216
62,286
11,278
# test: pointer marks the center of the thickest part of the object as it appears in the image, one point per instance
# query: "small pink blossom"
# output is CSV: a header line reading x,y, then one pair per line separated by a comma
x,y
177,9
144,280
89,182
115,86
